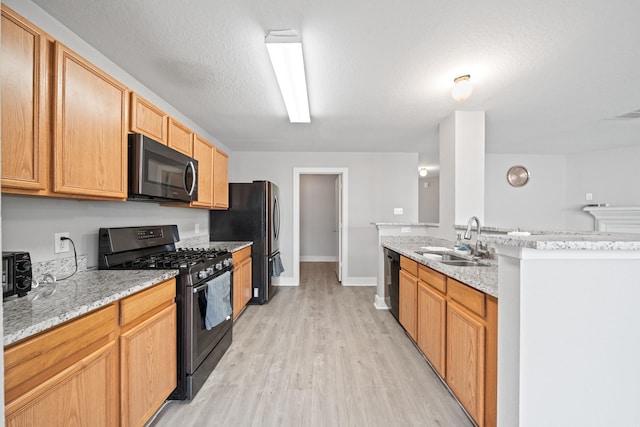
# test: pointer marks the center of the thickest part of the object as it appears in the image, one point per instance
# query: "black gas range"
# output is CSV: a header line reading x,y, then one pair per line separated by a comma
x,y
204,293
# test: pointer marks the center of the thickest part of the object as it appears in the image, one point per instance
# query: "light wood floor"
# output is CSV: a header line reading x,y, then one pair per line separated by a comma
x,y
319,355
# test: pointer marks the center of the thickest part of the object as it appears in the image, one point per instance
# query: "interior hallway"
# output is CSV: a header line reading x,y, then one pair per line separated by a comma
x,y
319,355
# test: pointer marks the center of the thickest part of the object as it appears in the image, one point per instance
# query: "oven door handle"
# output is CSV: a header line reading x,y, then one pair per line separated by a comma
x,y
198,288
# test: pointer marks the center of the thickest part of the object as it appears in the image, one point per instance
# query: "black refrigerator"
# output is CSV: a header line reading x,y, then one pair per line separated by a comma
x,y
253,215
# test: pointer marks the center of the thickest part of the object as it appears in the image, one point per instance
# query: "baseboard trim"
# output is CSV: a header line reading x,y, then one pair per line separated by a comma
x,y
313,258
283,281
360,281
380,303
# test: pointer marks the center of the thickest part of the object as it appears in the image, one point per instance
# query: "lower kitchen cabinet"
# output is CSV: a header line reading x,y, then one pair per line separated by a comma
x,y
147,352
79,393
465,359
242,280
432,313
77,374
408,296
67,373
457,329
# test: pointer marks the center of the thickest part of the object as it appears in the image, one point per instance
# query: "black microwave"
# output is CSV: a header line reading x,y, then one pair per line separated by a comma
x,y
160,173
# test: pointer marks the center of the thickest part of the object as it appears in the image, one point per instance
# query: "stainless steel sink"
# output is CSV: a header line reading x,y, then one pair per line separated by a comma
x,y
451,259
463,263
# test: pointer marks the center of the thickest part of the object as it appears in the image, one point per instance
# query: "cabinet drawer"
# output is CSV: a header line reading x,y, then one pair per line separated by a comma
x,y
145,303
243,253
433,278
470,298
409,265
37,359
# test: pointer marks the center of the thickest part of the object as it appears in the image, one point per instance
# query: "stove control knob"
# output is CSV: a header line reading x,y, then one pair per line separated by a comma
x,y
202,274
227,262
219,266
209,271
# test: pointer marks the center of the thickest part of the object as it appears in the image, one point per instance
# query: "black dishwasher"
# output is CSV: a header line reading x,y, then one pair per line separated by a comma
x,y
392,280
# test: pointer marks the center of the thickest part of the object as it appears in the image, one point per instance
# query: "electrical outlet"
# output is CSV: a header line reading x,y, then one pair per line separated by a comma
x,y
405,230
588,197
397,211
60,245
197,228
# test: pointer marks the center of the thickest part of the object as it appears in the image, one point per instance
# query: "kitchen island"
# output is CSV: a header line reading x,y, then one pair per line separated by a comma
x,y
568,337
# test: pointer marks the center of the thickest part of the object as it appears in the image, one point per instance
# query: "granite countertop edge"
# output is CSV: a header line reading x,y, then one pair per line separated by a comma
x,y
51,305
484,279
584,241
229,246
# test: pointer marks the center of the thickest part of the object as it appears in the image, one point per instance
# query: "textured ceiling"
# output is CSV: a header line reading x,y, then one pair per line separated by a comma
x,y
549,73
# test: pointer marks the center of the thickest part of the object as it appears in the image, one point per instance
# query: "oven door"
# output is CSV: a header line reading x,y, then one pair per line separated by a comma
x,y
199,340
159,172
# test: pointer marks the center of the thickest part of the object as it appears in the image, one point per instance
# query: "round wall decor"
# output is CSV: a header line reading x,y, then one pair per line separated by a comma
x,y
517,176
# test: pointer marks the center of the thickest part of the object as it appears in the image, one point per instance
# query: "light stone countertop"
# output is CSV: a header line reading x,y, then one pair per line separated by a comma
x,y
228,246
594,241
484,279
52,304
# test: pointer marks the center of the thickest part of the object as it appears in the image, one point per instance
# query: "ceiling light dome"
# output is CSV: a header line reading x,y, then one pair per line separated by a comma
x,y
462,87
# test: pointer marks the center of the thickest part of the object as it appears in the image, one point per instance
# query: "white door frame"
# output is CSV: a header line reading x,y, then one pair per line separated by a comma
x,y
344,172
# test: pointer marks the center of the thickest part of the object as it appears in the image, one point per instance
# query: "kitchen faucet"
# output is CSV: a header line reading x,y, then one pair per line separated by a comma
x,y
481,249
467,234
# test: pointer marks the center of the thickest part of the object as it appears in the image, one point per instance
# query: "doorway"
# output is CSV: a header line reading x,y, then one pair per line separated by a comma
x,y
336,224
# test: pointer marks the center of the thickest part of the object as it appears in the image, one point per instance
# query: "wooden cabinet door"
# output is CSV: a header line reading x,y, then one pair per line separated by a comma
x,y
432,316
237,290
180,137
241,280
148,366
247,282
147,119
408,303
82,395
90,138
203,152
465,366
221,180
23,75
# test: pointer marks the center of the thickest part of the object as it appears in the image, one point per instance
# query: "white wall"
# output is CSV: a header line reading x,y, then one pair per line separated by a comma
x,y
318,215
462,174
429,199
612,176
540,204
28,223
378,182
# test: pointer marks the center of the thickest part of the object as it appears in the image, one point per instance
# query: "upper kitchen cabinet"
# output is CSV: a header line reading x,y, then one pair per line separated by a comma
x,y
147,119
203,152
23,76
220,180
180,137
90,129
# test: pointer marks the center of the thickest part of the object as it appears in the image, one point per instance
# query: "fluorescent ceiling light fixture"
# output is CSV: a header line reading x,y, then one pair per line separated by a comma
x,y
285,51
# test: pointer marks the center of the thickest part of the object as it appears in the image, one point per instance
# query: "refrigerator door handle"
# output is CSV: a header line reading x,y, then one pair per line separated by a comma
x,y
276,218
